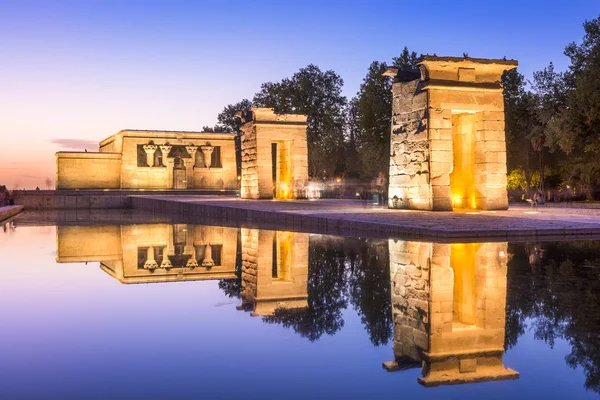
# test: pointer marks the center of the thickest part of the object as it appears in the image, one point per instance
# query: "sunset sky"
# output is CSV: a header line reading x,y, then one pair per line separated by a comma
x,y
75,72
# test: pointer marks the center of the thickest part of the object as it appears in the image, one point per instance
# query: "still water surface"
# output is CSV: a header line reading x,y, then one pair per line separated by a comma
x,y
179,311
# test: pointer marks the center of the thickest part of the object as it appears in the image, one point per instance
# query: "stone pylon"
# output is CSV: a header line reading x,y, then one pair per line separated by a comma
x,y
448,147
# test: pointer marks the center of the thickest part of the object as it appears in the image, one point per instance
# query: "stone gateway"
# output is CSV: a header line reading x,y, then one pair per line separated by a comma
x,y
274,155
448,147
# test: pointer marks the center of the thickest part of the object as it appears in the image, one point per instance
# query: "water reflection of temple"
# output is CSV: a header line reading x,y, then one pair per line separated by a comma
x,y
153,253
273,275
274,271
449,311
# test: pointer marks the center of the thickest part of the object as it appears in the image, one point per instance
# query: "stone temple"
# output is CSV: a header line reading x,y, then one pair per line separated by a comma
x,y
274,155
448,147
159,160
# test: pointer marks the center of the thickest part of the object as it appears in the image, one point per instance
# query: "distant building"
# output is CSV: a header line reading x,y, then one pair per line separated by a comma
x,y
161,160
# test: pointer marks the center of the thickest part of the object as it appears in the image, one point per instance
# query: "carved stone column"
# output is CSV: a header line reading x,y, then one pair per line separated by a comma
x,y
166,263
170,163
150,149
165,149
150,263
207,151
191,149
208,262
189,165
190,248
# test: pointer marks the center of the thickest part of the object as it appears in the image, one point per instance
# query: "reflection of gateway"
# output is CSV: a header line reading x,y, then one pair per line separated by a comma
x,y
449,311
153,253
274,271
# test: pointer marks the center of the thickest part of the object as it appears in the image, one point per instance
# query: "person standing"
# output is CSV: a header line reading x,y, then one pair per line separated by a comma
x,y
380,182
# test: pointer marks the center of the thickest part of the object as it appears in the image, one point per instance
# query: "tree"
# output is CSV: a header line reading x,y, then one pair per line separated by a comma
x,y
373,104
371,113
520,120
406,59
317,94
216,129
228,122
579,124
326,295
227,117
549,99
369,287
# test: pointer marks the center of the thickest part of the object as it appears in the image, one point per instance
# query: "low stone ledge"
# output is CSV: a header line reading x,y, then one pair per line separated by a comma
x,y
9,211
320,222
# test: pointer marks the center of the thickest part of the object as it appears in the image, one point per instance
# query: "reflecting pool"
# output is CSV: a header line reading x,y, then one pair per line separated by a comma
x,y
181,311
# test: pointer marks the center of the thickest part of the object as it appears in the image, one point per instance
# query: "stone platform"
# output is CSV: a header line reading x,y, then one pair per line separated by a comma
x,y
356,218
9,211
97,199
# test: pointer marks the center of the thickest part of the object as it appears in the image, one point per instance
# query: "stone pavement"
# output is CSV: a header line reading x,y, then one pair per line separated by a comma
x,y
353,217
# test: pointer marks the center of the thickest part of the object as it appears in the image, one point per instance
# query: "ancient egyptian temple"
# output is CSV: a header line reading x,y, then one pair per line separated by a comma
x,y
448,147
274,155
160,160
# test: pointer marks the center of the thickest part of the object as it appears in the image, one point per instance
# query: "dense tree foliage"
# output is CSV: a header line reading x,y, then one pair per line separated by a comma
x,y
554,291
553,128
317,94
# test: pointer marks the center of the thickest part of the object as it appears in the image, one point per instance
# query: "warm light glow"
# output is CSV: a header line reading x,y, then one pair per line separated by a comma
x,y
284,190
338,180
462,178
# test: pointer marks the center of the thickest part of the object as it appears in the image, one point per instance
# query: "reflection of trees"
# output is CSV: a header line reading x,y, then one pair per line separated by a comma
x,y
326,298
560,296
369,287
340,270
233,287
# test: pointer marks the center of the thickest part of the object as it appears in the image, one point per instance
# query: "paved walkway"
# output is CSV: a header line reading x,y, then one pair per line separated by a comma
x,y
356,217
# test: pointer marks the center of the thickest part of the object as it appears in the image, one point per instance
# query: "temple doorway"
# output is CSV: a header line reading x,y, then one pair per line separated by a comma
x,y
179,174
281,161
462,177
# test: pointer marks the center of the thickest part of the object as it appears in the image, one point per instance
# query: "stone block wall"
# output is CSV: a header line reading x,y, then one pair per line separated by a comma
x,y
88,243
409,185
250,166
409,276
75,170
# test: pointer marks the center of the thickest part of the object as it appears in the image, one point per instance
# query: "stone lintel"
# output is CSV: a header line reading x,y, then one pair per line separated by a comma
x,y
478,70
268,115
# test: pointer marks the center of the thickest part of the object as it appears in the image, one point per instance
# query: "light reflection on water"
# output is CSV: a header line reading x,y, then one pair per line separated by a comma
x,y
88,313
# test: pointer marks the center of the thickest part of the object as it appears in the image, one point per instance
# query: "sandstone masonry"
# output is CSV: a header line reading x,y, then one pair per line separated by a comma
x,y
448,147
